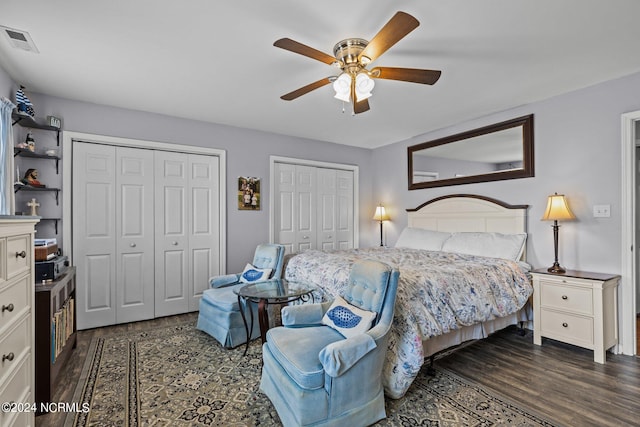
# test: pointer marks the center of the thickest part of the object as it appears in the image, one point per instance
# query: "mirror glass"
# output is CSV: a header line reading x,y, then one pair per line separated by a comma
x,y
495,152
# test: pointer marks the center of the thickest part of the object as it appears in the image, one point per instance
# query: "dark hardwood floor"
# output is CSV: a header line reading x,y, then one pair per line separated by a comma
x,y
557,380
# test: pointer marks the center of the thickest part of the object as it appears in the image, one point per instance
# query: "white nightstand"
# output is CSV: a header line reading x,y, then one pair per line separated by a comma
x,y
578,308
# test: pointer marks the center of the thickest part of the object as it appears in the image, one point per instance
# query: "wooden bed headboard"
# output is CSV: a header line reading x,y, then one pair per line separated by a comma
x,y
468,212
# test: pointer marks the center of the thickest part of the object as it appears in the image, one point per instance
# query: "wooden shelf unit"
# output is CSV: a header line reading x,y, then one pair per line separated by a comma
x,y
51,297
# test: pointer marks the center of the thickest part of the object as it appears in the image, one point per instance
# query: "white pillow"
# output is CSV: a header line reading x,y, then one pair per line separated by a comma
x,y
493,245
419,238
251,274
347,319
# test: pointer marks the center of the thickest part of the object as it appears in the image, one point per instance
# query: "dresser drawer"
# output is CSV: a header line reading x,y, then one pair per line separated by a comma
x,y
18,255
17,390
14,299
566,297
569,328
13,345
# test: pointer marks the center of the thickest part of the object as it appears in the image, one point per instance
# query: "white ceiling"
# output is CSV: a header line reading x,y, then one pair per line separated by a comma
x,y
215,61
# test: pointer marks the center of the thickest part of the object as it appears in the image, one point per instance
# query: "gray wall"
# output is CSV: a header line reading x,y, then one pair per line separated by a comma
x,y
247,155
577,152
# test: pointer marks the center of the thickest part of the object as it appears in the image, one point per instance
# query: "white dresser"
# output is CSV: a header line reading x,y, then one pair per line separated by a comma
x,y
578,308
17,319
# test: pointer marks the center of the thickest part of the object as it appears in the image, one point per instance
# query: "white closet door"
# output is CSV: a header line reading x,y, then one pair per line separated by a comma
x,y
204,234
284,206
295,207
306,208
135,231
327,198
94,234
344,213
172,200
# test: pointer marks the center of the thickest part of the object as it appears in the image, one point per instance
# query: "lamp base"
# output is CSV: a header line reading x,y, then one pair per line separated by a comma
x,y
555,268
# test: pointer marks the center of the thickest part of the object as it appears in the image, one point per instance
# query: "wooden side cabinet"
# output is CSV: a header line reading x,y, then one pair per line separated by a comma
x,y
55,331
578,308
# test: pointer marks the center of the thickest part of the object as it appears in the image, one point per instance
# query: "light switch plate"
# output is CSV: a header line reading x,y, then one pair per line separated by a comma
x,y
601,211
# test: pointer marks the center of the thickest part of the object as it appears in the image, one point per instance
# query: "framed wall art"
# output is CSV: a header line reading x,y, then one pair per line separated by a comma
x,y
248,193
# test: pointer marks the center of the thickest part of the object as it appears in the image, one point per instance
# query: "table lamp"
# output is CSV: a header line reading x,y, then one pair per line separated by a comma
x,y
381,215
557,210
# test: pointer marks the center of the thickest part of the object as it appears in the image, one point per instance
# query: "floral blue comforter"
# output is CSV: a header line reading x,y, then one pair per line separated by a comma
x,y
438,292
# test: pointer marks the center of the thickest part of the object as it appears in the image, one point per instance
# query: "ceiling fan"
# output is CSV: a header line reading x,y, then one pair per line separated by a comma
x,y
353,55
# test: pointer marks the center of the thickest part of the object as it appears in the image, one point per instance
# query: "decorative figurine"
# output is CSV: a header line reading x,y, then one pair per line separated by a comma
x,y
30,142
25,107
33,205
31,178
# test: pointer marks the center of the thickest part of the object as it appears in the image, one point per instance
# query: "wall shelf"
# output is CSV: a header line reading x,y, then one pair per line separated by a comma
x,y
29,122
23,152
18,187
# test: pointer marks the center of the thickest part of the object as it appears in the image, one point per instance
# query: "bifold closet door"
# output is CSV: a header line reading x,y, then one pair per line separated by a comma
x,y
187,224
335,209
295,207
113,234
314,207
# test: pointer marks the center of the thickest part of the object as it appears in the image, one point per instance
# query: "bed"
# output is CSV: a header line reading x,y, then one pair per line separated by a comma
x,y
463,276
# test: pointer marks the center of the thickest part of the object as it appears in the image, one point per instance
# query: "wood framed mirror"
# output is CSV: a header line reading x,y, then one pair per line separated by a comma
x,y
491,153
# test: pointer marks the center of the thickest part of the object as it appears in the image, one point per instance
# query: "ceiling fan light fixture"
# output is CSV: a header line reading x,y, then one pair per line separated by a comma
x,y
342,86
365,60
364,86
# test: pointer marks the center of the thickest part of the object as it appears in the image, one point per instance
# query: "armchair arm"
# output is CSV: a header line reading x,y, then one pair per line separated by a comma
x,y
222,281
304,314
338,357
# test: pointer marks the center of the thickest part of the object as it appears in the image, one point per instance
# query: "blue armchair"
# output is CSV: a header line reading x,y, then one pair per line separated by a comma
x,y
219,310
313,375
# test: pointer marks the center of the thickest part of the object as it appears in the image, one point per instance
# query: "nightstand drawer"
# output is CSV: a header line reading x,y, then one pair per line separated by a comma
x,y
567,298
569,328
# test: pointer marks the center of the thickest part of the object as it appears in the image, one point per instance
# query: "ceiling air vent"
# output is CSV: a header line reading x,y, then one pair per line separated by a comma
x,y
19,39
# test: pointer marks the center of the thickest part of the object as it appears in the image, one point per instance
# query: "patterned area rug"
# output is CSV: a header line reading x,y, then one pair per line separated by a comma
x,y
179,376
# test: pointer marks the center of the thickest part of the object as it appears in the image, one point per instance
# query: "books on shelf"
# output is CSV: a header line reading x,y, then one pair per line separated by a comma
x,y
62,327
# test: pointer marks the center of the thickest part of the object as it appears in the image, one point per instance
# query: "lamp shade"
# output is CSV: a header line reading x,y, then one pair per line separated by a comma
x,y
364,86
557,209
342,86
381,214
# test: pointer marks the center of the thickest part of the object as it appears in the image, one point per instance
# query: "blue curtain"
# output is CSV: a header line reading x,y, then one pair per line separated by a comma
x,y
6,158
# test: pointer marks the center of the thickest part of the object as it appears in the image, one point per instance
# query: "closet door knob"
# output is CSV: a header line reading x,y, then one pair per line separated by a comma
x,y
174,243
8,357
8,308
565,325
22,254
565,297
133,245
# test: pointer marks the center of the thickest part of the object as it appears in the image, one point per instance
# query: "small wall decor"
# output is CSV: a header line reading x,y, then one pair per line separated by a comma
x,y
54,122
24,105
31,178
248,193
33,204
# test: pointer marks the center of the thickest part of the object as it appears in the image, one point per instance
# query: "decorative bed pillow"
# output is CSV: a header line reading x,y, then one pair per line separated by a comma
x,y
419,238
251,274
493,245
348,319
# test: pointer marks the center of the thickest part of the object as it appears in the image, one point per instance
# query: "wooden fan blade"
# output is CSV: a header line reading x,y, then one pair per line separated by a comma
x,y
361,107
414,75
398,26
296,47
305,89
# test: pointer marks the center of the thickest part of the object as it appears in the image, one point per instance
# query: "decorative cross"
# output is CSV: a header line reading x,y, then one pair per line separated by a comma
x,y
33,205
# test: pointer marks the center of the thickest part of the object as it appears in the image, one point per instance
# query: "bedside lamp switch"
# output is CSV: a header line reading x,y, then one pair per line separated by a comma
x,y
601,211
